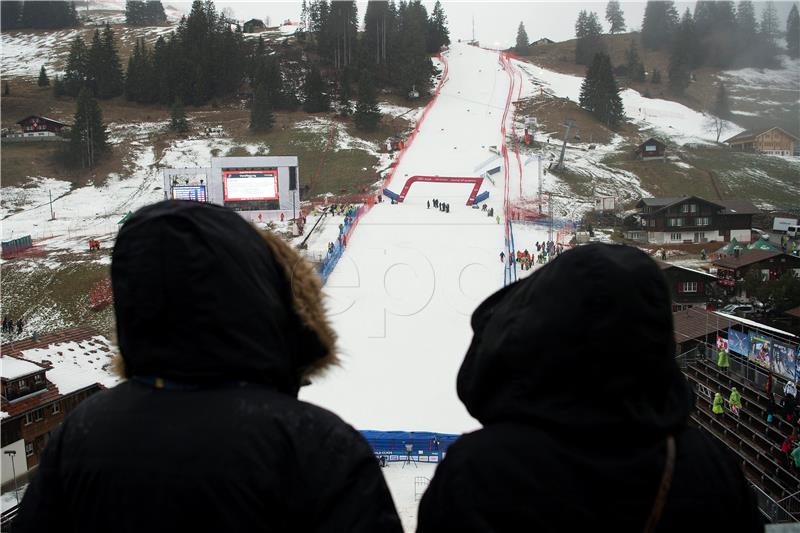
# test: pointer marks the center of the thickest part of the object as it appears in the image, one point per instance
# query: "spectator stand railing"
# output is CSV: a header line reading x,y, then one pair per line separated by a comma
x,y
332,258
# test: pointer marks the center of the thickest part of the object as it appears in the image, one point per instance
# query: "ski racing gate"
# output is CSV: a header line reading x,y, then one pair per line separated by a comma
x,y
474,197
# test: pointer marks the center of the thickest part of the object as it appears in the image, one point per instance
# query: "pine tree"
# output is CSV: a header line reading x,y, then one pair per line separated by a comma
x,y
722,107
769,21
110,79
767,48
317,99
659,24
88,135
261,116
410,62
367,115
590,41
615,17
6,89
600,92
746,25
522,40
438,34
139,13
43,79
48,15
345,107
75,71
58,86
655,77
634,64
178,122
793,33
680,60
10,15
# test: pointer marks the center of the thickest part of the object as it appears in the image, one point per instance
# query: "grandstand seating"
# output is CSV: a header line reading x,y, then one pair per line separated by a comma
x,y
747,434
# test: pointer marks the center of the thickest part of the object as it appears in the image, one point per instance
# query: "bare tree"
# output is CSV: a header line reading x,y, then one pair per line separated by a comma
x,y
716,125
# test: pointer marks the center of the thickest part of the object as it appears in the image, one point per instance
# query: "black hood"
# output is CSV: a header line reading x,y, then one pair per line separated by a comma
x,y
586,342
200,298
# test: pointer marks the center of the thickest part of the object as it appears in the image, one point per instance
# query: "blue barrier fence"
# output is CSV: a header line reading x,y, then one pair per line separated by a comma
x,y
390,194
481,197
427,447
333,256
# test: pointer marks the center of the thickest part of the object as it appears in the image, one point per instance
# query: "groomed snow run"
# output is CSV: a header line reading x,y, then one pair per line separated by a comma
x,y
402,295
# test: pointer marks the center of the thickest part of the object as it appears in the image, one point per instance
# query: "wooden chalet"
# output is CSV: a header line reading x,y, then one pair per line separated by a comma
x,y
37,123
652,148
732,270
688,287
691,219
771,141
37,395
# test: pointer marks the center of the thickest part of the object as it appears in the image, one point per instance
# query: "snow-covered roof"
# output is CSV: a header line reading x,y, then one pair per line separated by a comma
x,y
76,364
13,368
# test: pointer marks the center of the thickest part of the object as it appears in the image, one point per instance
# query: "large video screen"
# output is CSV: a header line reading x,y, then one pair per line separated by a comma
x,y
189,192
254,184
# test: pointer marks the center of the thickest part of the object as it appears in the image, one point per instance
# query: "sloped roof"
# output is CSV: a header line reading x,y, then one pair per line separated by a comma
x,y
748,258
662,203
693,323
738,207
663,265
747,135
654,139
54,121
13,368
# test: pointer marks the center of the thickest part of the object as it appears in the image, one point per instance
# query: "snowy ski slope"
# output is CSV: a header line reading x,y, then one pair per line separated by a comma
x,y
402,295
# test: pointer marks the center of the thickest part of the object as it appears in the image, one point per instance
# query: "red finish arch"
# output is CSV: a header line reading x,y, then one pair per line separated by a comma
x,y
443,179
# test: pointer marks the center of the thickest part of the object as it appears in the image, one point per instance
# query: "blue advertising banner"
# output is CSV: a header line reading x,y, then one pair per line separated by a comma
x,y
739,342
759,351
784,360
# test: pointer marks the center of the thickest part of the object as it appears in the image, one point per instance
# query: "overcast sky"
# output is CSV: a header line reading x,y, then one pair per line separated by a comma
x,y
495,22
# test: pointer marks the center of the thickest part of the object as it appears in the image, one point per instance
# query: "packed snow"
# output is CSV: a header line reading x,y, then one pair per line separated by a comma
x,y
403,292
407,482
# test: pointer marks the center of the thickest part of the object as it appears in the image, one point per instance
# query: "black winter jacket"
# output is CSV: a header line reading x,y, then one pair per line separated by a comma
x,y
207,433
572,374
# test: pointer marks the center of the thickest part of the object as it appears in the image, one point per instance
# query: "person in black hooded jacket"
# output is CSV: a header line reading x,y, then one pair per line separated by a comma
x,y
217,327
572,374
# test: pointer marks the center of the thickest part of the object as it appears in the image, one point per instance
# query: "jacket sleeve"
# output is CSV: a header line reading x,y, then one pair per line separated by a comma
x,y
353,496
43,507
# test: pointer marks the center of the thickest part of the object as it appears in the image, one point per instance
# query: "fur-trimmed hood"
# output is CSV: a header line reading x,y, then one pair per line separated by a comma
x,y
201,297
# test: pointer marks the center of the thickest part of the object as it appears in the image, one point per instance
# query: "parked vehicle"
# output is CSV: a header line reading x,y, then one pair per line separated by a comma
x,y
741,310
783,224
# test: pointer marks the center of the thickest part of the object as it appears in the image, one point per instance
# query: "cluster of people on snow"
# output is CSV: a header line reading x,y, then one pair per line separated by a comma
x,y
545,251
444,207
350,212
230,371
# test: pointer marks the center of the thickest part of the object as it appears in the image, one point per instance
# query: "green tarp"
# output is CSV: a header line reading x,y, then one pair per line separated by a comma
x,y
763,244
728,248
